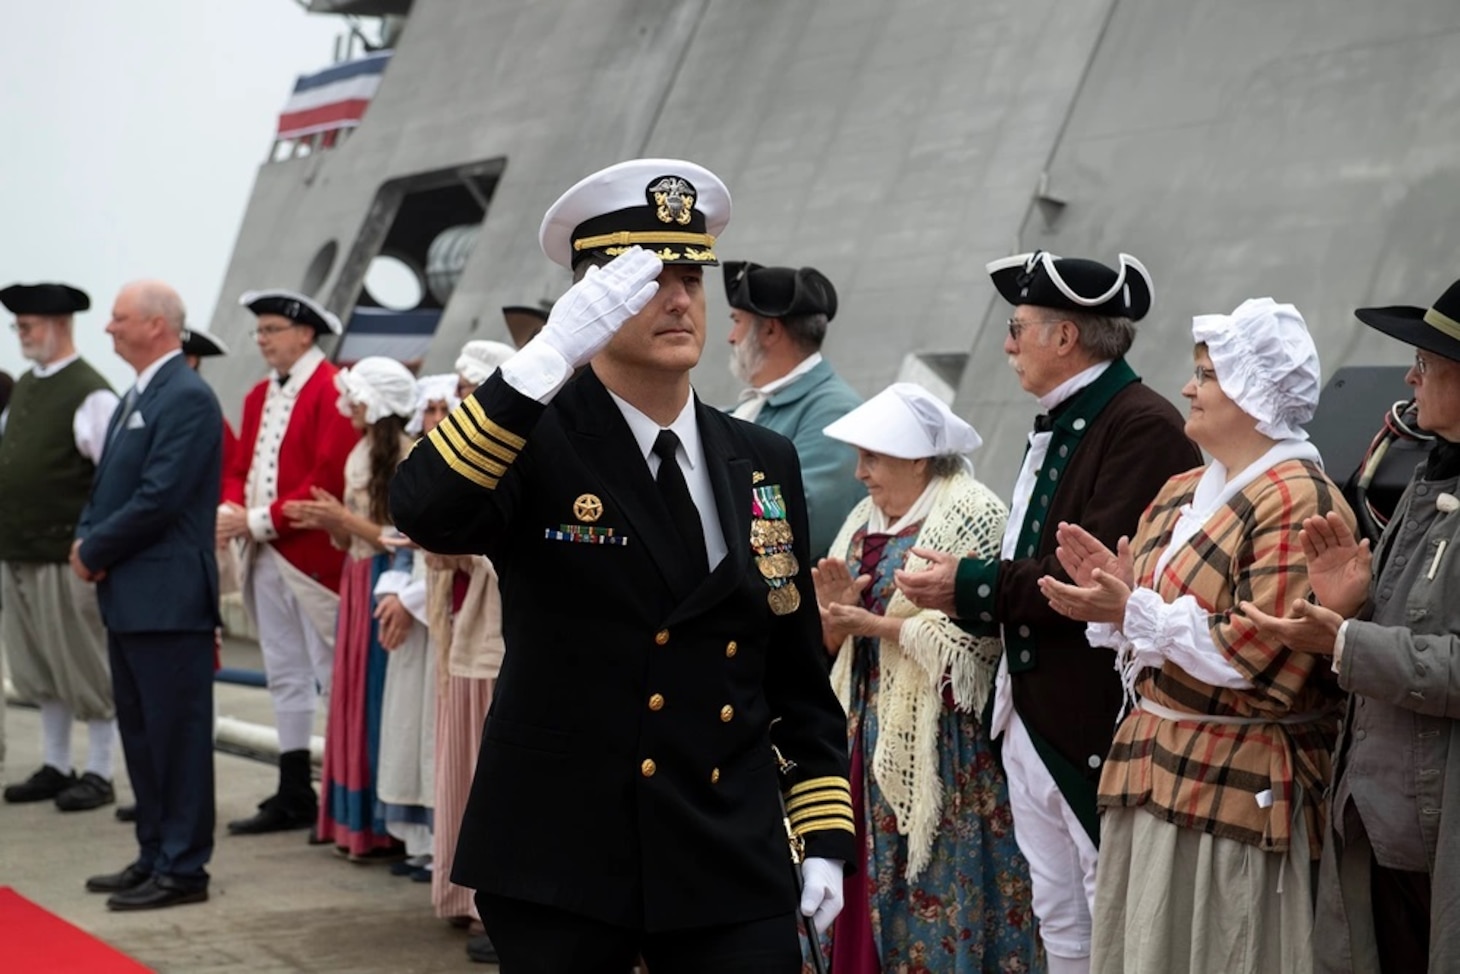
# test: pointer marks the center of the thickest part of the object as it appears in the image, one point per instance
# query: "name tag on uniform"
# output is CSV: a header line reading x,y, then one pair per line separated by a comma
x,y
584,534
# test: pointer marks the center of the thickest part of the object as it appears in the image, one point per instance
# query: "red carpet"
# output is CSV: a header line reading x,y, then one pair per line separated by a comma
x,y
38,942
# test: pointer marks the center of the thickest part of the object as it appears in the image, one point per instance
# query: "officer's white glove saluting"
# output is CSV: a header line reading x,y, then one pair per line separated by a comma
x,y
583,321
821,891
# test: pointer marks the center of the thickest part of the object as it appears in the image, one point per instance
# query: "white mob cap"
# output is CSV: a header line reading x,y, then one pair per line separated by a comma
x,y
382,385
429,389
907,421
1266,363
479,359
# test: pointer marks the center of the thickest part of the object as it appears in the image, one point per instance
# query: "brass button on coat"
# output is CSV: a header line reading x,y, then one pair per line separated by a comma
x,y
661,637
727,713
714,776
648,768
656,702
730,649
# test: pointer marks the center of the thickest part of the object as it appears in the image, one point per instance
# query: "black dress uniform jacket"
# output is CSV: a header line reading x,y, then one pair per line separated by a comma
x,y
626,769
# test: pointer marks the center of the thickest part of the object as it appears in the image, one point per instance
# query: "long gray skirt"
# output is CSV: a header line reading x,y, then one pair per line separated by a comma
x,y
1173,900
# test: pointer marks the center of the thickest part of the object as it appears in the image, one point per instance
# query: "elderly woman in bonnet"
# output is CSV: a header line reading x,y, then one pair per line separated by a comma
x,y
1212,794
379,396
942,886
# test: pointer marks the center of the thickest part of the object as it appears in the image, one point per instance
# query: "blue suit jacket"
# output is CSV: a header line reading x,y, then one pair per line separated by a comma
x,y
800,412
149,523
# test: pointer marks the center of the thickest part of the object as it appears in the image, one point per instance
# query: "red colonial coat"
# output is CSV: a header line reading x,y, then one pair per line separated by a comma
x,y
312,454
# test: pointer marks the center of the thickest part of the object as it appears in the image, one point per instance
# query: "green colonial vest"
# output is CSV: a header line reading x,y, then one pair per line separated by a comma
x,y
978,578
44,480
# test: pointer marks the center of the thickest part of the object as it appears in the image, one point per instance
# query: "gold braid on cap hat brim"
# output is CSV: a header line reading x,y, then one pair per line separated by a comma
x,y
626,238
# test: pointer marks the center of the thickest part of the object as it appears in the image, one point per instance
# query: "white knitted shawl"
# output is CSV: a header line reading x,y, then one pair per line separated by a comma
x,y
931,651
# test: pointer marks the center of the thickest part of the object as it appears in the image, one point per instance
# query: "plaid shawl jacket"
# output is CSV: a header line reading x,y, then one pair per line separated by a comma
x,y
1209,776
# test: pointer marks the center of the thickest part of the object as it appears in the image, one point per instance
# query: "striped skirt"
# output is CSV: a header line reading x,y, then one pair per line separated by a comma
x,y
460,713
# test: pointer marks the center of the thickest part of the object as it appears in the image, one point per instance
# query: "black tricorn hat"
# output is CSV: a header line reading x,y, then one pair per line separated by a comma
x,y
1436,329
524,321
44,299
1074,284
298,308
778,292
203,345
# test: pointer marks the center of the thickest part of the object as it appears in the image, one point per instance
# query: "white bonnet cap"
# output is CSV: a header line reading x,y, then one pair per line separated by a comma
x,y
382,385
1266,363
429,389
479,359
907,421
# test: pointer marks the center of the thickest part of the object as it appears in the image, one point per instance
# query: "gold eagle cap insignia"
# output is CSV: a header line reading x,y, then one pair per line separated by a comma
x,y
674,199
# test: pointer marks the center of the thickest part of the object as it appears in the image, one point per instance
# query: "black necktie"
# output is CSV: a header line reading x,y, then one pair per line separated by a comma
x,y
1043,423
282,379
676,497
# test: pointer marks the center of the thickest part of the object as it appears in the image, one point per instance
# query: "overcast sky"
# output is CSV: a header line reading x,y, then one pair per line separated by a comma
x,y
132,133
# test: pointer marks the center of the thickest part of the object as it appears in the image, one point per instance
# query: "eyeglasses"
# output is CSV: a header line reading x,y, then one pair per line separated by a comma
x,y
1016,327
1421,364
1201,373
22,327
273,330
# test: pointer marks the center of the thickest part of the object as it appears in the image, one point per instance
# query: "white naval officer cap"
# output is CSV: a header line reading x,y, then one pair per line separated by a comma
x,y
671,207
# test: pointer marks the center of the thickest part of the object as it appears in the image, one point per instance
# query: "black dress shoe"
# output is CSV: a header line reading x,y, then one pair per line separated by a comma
x,y
274,816
155,894
90,791
130,878
480,950
42,786
126,813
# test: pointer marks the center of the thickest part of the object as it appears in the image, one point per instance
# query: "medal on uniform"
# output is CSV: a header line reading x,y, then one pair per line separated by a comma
x,y
771,539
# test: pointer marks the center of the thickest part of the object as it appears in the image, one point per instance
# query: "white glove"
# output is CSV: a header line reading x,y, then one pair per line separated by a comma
x,y
821,891
590,313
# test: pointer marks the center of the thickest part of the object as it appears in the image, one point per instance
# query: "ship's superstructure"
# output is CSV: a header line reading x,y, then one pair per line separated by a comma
x,y
1297,149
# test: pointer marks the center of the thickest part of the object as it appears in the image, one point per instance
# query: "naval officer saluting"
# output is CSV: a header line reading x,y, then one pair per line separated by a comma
x,y
660,627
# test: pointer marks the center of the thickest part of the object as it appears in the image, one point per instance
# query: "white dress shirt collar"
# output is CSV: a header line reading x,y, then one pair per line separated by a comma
x,y
44,371
299,372
776,385
646,431
147,374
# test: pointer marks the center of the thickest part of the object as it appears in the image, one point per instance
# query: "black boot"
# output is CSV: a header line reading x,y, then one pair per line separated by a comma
x,y
293,807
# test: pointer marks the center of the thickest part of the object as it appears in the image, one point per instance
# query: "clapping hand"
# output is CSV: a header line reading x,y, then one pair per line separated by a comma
x,y
935,585
1080,553
1308,628
395,622
838,591
324,512
1338,565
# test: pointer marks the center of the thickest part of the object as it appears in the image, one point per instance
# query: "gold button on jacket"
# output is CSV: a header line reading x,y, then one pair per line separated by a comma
x,y
648,768
656,702
661,637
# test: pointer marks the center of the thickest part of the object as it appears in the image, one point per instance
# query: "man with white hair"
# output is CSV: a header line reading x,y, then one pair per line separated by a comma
x,y
293,440
55,430
146,539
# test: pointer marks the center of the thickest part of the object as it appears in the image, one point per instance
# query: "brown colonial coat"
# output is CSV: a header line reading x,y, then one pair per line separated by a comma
x,y
1121,443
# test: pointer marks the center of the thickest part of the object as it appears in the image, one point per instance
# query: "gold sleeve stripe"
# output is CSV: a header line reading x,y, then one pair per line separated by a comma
x,y
813,811
478,436
812,784
457,464
470,453
839,824
832,796
479,415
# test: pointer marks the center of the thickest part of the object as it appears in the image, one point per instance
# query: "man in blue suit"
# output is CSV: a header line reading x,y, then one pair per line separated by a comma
x,y
146,538
780,316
